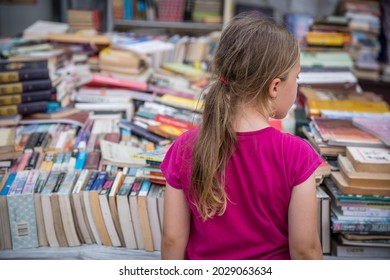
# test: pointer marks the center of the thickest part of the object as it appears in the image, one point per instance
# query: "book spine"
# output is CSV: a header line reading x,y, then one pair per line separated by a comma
x,y
32,141
31,181
20,65
100,180
7,186
25,86
33,161
23,108
34,96
174,122
24,75
80,160
142,132
91,180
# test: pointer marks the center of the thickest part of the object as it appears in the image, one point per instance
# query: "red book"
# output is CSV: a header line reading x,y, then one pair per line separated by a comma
x,y
98,80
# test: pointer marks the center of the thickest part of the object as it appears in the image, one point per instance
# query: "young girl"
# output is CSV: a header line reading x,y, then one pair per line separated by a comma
x,y
236,187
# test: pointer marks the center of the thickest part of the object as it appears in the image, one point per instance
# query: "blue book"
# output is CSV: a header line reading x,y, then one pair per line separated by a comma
x,y
7,185
100,180
91,180
80,160
128,9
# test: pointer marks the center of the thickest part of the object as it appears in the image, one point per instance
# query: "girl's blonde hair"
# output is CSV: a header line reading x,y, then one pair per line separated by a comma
x,y
252,51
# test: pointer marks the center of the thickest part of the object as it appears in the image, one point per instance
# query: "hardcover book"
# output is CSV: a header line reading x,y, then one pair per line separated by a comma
x,y
6,65
23,108
24,75
34,96
25,86
369,159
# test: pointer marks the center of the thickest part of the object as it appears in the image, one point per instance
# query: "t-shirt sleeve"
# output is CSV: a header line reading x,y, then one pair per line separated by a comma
x,y
302,160
171,164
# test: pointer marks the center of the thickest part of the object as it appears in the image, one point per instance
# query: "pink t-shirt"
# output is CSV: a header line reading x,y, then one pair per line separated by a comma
x,y
259,178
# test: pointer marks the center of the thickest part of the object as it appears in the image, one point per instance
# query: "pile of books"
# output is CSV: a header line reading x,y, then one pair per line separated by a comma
x,y
360,203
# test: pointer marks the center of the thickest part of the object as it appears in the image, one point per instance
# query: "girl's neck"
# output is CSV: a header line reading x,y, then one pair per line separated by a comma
x,y
250,119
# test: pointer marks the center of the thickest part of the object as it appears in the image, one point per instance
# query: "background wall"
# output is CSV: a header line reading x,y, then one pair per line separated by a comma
x,y
14,18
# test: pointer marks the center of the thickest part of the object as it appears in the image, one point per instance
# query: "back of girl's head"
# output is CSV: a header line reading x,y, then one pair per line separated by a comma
x,y
252,51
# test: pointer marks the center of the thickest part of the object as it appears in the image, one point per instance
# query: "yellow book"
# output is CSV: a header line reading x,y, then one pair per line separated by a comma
x,y
182,102
314,106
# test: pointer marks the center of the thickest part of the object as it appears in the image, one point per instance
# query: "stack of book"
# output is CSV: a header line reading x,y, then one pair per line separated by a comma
x,y
364,24
121,61
84,19
25,87
360,203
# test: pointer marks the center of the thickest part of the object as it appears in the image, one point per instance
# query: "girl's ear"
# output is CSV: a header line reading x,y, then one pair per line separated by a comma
x,y
274,88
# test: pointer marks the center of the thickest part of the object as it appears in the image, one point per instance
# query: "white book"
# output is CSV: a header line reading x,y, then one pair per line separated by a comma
x,y
153,216
77,206
124,214
47,209
64,199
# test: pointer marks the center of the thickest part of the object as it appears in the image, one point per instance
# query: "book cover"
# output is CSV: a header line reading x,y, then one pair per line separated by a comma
x,y
155,155
341,132
380,127
22,219
369,159
98,80
315,106
23,108
25,86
